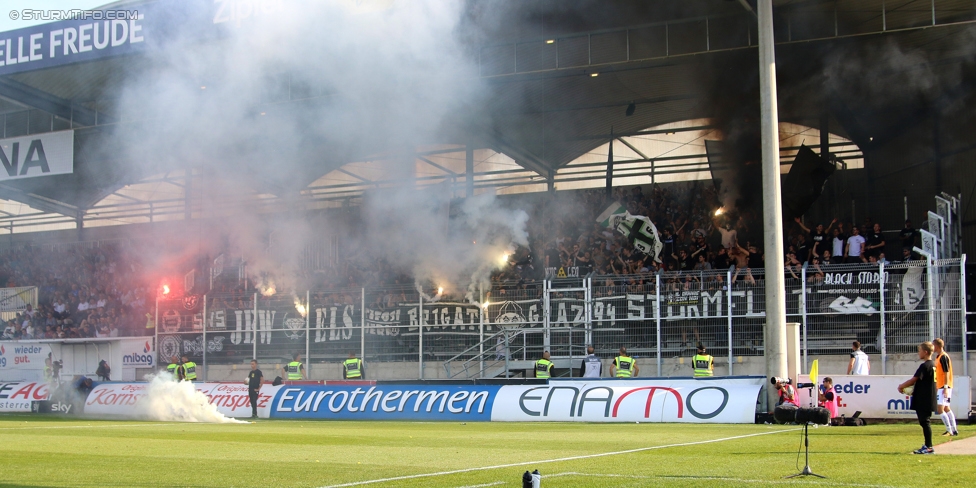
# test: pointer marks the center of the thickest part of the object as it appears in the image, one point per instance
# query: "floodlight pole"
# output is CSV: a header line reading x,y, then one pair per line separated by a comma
x,y
775,336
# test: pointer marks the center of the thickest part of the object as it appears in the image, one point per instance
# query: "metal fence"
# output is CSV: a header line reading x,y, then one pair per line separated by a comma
x,y
889,308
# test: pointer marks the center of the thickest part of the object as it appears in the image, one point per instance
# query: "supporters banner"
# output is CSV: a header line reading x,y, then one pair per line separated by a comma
x,y
731,401
877,397
20,355
47,154
17,397
638,229
393,402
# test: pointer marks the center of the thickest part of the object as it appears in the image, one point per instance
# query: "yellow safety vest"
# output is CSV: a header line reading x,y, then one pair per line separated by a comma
x,y
171,369
702,365
294,370
353,368
189,371
625,366
542,368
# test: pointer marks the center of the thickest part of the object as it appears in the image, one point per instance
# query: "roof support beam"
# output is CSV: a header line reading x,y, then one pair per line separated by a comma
x,y
39,202
42,100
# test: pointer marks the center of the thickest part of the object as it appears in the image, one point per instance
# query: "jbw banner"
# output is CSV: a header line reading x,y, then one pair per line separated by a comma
x,y
877,397
685,401
394,402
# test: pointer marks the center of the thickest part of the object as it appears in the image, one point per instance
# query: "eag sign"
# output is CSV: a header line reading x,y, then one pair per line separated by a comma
x,y
37,155
689,401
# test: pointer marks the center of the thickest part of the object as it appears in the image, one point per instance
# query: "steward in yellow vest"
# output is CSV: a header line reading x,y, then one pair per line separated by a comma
x,y
623,365
188,370
543,367
703,363
295,370
174,363
352,368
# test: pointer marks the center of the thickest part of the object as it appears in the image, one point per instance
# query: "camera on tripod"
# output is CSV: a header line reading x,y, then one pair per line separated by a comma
x,y
776,380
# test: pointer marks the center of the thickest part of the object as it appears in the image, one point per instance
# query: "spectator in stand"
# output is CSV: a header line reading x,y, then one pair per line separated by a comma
x,y
838,243
721,260
815,273
875,242
908,235
855,247
802,249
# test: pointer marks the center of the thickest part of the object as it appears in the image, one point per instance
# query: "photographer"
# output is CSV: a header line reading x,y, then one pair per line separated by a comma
x,y
828,397
103,371
787,394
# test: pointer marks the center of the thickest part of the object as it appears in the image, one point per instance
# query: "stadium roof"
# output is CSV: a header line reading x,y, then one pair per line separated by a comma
x,y
560,76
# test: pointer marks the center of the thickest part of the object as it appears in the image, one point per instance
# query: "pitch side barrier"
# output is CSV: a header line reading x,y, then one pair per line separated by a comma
x,y
877,396
713,400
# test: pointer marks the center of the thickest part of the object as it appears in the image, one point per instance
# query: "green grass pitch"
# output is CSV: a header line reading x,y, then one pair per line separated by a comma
x,y
69,452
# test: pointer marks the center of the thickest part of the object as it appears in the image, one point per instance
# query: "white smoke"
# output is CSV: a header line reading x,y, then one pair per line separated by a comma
x,y
457,252
168,400
279,99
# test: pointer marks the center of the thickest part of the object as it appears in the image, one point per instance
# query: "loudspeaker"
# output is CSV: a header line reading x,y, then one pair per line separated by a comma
x,y
785,413
816,415
805,182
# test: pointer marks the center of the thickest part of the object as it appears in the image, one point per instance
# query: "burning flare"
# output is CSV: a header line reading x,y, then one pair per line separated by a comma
x,y
300,307
165,289
268,289
719,211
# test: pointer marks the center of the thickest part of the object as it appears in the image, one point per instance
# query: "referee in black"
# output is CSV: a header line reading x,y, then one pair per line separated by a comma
x,y
254,380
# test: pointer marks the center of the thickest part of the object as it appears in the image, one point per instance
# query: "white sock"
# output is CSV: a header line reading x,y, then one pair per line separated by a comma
x,y
952,421
945,420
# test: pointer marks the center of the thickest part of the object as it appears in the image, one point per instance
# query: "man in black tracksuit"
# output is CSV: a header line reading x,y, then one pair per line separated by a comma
x,y
254,379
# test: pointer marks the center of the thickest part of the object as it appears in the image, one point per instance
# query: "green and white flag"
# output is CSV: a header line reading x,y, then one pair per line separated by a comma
x,y
638,229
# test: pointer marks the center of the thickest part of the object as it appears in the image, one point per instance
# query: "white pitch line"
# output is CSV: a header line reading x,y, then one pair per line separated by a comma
x,y
91,426
556,460
484,485
710,478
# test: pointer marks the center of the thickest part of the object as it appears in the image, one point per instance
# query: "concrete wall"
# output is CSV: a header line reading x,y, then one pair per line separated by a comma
x,y
900,364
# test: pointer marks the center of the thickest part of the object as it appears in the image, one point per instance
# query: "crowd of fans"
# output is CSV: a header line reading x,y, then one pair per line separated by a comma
x,y
100,291
697,234
82,292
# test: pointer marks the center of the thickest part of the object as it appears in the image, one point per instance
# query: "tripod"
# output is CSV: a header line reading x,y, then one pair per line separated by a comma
x,y
806,442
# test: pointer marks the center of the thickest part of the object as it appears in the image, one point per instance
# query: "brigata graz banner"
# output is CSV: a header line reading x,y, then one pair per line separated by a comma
x,y
729,401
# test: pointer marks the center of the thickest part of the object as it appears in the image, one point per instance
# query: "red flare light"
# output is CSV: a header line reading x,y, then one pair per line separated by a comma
x,y
165,289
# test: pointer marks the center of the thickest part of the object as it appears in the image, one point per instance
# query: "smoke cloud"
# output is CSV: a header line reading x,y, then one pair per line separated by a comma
x,y
289,93
168,400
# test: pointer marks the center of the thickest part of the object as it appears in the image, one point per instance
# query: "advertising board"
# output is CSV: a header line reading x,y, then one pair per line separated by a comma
x,y
230,399
17,397
658,400
877,397
19,355
392,402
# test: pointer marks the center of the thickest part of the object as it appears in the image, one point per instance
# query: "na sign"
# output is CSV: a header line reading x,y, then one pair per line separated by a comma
x,y
52,153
